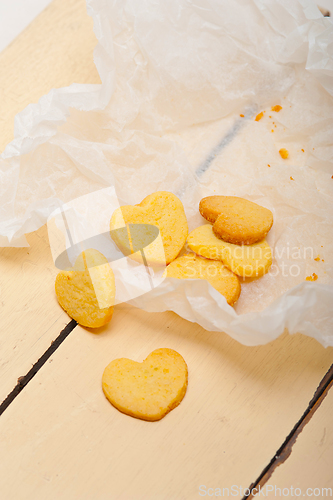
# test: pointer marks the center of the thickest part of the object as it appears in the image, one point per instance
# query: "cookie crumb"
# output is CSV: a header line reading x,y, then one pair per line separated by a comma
x,y
276,108
268,165
313,277
302,150
291,178
242,116
317,259
259,116
284,153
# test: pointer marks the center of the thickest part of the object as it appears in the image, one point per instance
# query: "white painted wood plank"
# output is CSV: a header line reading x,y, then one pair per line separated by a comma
x,y
30,316
309,469
63,439
54,51
60,437
58,47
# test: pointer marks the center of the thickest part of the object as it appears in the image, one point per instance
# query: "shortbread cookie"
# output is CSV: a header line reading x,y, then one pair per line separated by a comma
x,y
236,220
161,209
244,260
190,266
147,390
211,207
87,292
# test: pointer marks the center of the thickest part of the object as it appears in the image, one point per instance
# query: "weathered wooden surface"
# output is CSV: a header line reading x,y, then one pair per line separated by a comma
x,y
60,436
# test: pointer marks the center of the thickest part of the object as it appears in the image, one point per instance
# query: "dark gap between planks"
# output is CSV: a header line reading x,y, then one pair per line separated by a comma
x,y
23,381
286,448
279,457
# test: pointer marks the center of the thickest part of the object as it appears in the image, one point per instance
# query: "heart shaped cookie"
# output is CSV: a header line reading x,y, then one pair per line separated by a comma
x,y
87,291
191,266
147,390
161,209
244,260
236,220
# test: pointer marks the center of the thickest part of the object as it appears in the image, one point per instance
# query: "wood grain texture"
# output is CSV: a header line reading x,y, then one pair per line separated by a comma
x,y
60,436
63,439
310,464
54,51
29,314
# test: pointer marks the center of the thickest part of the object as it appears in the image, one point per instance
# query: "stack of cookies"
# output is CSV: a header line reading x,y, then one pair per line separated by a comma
x,y
233,245
236,236
164,210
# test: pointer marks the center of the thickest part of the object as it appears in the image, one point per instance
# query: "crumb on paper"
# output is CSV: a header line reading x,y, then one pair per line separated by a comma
x,y
268,165
272,130
317,258
291,178
242,116
284,153
259,116
276,108
302,150
313,277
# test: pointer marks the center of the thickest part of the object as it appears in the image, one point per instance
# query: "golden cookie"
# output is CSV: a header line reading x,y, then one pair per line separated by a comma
x,y
236,220
190,266
210,208
147,390
244,260
161,209
87,292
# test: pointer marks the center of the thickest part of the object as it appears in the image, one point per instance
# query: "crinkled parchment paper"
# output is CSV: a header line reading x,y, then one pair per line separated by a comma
x,y
176,76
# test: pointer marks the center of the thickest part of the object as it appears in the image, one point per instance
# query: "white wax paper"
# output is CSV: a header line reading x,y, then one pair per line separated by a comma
x,y
176,76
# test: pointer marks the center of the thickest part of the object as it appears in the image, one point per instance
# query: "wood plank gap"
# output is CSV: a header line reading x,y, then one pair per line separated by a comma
x,y
25,379
286,448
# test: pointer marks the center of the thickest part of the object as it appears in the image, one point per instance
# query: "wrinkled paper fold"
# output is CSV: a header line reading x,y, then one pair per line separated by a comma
x,y
181,86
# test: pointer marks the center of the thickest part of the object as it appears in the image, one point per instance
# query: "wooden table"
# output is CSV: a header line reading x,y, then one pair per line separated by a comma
x,y
60,438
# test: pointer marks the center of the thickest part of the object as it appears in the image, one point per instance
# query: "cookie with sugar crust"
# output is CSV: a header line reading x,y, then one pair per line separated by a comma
x,y
236,220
